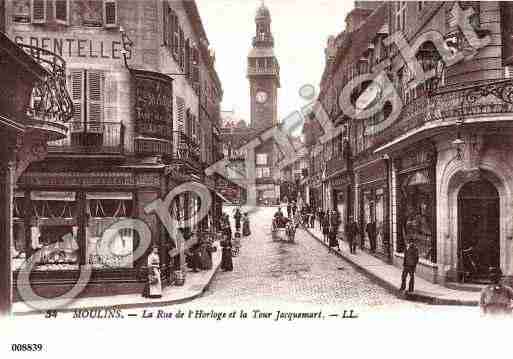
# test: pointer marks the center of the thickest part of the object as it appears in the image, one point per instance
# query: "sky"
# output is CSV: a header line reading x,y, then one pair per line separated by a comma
x,y
301,29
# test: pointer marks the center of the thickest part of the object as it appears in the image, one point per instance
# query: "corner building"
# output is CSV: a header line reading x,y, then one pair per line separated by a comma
x,y
146,119
440,172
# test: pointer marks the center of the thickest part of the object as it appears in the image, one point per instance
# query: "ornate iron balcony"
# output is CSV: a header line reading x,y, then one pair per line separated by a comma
x,y
446,105
50,100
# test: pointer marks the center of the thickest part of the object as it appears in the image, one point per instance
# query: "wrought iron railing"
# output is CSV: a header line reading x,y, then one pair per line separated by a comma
x,y
91,137
185,148
50,98
482,99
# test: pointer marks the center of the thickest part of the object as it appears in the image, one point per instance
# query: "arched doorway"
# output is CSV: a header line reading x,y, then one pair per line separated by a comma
x,y
479,230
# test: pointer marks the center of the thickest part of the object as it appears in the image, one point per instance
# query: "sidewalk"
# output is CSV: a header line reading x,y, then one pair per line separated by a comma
x,y
195,285
389,277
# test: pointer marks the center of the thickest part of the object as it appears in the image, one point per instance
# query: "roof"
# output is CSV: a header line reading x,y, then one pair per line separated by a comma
x,y
353,45
263,12
358,40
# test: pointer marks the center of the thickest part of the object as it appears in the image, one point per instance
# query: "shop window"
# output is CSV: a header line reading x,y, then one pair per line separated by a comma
x,y
54,230
417,213
18,250
107,248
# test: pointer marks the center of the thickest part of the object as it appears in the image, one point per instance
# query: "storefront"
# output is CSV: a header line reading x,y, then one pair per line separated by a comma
x,y
61,221
373,202
341,200
416,205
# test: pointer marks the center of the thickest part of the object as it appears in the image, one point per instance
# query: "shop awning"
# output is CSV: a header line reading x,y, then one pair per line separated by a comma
x,y
127,196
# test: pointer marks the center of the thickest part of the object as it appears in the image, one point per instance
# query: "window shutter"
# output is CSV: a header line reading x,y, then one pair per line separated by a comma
x,y
180,107
95,93
165,23
76,85
187,59
61,11
182,49
38,11
110,13
176,36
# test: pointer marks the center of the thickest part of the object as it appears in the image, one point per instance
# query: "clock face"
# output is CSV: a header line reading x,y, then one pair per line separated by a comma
x,y
261,97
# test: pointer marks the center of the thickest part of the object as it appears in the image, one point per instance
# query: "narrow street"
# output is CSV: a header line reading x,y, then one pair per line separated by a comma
x,y
271,274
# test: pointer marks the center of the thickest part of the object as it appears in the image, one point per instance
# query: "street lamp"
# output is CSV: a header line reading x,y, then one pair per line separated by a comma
x,y
127,45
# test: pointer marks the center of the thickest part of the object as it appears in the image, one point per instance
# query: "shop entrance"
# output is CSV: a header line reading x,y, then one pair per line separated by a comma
x,y
478,237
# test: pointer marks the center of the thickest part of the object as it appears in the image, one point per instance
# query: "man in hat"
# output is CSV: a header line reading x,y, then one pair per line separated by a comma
x,y
496,299
411,259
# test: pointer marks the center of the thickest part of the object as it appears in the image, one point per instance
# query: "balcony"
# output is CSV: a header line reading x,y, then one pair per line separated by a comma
x,y
92,138
186,149
50,105
426,116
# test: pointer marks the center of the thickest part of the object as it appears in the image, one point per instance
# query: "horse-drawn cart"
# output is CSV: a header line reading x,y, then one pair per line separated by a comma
x,y
283,230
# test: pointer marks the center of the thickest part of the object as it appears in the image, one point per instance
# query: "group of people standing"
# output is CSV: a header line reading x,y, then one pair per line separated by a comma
x,y
199,254
230,242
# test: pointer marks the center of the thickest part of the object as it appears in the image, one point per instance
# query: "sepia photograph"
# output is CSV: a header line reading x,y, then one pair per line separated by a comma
x,y
283,167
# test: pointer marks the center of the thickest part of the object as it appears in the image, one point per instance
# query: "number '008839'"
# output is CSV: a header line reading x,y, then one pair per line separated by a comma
x,y
26,347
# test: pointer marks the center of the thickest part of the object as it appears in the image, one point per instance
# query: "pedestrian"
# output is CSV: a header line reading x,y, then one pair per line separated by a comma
x,y
312,217
237,216
294,208
351,230
226,255
245,225
194,255
333,229
153,288
411,259
496,298
325,226
289,209
320,214
370,228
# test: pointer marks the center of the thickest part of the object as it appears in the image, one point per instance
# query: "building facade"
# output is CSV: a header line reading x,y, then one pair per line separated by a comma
x,y
146,97
437,170
263,73
34,107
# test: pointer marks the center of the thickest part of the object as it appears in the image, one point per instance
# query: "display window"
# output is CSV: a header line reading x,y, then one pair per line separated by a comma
x,y
417,202
54,230
108,248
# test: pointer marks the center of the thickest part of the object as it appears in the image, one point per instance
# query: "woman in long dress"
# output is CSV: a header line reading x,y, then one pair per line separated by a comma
x,y
245,226
325,223
332,235
154,286
226,255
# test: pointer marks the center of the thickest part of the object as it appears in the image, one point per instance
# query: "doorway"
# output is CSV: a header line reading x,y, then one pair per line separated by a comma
x,y
479,230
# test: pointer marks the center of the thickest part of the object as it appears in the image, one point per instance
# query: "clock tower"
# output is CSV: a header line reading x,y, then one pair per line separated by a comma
x,y
263,74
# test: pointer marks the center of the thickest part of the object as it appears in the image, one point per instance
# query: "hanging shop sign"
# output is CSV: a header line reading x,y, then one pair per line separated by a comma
x,y
153,105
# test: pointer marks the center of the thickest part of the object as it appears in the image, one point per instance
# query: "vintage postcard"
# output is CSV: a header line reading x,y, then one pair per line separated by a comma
x,y
322,164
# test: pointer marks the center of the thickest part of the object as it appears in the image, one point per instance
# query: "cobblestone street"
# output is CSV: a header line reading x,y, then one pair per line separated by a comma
x,y
302,274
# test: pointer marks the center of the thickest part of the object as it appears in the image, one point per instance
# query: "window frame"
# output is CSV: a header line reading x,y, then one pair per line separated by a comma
x,y
60,21
43,20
